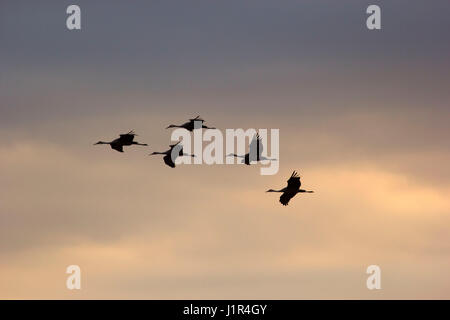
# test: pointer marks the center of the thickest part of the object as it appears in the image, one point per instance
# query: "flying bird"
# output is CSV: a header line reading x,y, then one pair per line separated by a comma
x,y
255,152
291,190
126,139
175,151
190,125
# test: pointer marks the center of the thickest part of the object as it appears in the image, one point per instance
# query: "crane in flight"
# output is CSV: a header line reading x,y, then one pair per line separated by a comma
x,y
190,125
126,139
175,151
291,190
255,152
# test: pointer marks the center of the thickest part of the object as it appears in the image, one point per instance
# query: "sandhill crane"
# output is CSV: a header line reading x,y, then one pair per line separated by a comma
x,y
190,125
126,139
255,152
291,190
175,151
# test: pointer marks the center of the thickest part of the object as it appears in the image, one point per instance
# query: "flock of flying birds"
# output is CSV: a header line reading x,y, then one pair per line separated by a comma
x,y
176,150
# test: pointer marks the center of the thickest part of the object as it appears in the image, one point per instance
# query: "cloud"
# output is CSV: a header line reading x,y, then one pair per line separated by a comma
x,y
366,126
193,232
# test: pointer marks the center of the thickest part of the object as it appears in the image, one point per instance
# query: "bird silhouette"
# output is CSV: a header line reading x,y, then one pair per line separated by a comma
x,y
291,190
175,151
126,139
255,152
190,125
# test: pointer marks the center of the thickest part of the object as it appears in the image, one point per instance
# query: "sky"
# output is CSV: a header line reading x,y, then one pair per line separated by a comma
x,y
363,117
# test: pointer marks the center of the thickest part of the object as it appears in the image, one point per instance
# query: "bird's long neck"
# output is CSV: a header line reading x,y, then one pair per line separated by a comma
x,y
306,191
103,142
272,190
156,152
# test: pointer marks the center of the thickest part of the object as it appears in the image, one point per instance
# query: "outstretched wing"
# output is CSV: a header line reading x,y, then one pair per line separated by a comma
x,y
168,160
131,133
176,150
173,145
294,182
197,118
286,196
256,148
117,146
128,137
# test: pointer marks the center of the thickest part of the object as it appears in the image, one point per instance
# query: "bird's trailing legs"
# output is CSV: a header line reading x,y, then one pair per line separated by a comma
x,y
189,155
235,155
140,144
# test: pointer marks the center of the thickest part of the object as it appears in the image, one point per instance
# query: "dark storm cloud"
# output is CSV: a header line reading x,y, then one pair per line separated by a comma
x,y
201,48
